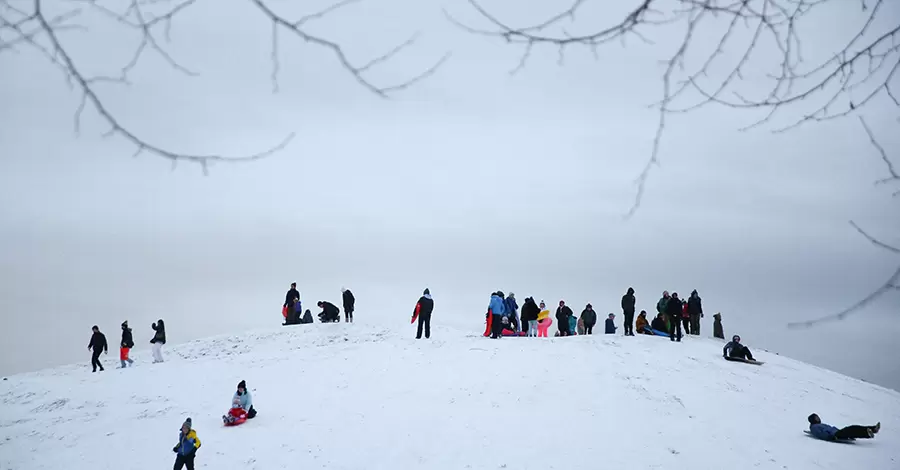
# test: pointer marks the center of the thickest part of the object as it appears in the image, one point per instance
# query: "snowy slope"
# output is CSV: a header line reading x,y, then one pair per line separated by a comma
x,y
343,396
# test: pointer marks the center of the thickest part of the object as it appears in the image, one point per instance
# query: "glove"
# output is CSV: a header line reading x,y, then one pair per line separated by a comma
x,y
175,449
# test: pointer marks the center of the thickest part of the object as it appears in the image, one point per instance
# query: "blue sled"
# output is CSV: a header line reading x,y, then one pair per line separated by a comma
x,y
659,333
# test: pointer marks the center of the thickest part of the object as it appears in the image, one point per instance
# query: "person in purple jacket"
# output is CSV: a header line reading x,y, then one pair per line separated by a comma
x,y
827,432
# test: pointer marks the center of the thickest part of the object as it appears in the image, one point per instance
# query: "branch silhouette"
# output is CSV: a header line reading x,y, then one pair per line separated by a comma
x,y
865,69
34,30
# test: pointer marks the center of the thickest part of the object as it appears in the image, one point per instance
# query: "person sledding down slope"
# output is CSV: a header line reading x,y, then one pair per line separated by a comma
x,y
736,350
830,433
241,405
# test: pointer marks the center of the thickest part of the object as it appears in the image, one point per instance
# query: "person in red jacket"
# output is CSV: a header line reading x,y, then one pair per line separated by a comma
x,y
423,310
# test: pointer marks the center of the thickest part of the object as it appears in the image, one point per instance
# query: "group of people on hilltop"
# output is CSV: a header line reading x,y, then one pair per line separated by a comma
x,y
502,317
98,345
293,308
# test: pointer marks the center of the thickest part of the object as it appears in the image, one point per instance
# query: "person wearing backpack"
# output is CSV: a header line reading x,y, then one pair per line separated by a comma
x,y
126,345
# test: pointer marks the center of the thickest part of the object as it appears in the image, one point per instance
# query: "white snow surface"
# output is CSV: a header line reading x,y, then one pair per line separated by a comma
x,y
341,396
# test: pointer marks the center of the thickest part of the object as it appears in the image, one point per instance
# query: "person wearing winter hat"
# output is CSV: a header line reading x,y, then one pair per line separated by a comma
x,y
126,345
589,319
422,312
245,400
830,433
187,446
611,324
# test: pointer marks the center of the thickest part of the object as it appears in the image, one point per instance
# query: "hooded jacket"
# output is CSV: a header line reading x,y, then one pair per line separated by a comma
x,y
589,316
349,301
628,302
530,310
563,313
127,337
160,336
510,305
694,305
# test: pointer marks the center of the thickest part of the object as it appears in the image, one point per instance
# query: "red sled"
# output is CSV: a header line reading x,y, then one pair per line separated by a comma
x,y
234,417
284,311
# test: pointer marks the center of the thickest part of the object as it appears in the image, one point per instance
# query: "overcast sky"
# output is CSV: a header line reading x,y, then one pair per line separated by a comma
x,y
470,182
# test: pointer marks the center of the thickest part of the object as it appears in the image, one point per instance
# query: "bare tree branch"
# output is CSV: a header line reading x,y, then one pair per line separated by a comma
x,y
861,72
358,72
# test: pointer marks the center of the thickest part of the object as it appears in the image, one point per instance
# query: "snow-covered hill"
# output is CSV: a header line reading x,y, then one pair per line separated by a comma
x,y
343,396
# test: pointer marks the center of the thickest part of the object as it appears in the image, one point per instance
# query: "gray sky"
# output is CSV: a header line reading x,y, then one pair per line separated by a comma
x,y
473,181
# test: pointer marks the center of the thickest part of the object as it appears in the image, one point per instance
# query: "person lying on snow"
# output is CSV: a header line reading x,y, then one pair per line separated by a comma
x,y
641,324
611,324
736,350
187,446
830,433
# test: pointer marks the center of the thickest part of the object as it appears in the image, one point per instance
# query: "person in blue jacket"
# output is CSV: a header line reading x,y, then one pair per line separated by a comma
x,y
498,309
187,446
511,307
243,395
611,324
827,432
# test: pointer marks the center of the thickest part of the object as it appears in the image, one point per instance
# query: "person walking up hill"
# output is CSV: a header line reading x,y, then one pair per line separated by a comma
x,y
159,339
97,345
126,345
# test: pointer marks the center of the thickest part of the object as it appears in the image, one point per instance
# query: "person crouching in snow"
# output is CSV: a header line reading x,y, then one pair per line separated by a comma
x,y
830,433
187,446
611,324
245,400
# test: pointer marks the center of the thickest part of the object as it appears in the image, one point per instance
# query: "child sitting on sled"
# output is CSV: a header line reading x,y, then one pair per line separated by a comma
x,y
236,415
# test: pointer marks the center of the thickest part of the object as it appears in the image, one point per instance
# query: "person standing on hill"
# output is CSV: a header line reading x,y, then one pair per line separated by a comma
x,y
126,345
291,296
695,312
98,345
718,331
589,318
511,308
423,311
674,312
159,339
628,302
497,308
349,304
662,309
563,313
611,324
530,313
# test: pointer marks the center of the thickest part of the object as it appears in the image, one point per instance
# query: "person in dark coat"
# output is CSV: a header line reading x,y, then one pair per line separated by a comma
x,y
589,318
530,311
695,312
159,339
422,312
349,304
674,312
830,433
628,302
718,332
736,350
307,317
659,323
125,345
98,345
563,312
330,313
611,324
292,294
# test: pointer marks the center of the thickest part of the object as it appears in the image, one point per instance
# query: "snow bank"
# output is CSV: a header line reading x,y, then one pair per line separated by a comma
x,y
344,396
